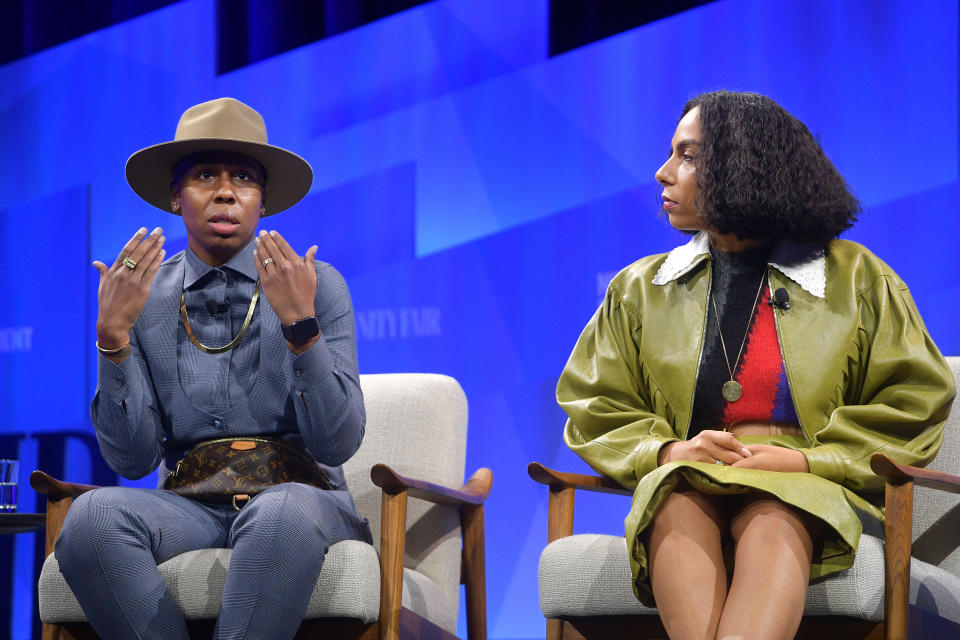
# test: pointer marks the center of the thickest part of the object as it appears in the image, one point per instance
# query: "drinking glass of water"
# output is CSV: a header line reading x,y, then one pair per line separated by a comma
x,y
8,486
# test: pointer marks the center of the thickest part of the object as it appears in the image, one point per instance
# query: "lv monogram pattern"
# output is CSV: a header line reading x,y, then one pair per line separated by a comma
x,y
218,470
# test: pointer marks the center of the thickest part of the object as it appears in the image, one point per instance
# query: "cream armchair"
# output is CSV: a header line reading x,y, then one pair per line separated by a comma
x,y
585,589
405,586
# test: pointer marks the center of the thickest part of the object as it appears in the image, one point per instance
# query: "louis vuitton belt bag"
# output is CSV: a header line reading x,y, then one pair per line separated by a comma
x,y
233,470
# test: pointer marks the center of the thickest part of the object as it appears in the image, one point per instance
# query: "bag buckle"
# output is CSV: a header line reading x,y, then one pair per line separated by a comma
x,y
241,496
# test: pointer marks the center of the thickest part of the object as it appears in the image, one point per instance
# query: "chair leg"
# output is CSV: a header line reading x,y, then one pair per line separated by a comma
x,y
898,533
393,518
474,571
554,629
50,632
559,525
560,513
56,514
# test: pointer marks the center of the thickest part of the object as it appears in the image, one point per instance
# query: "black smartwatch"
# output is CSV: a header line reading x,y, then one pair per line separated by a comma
x,y
301,330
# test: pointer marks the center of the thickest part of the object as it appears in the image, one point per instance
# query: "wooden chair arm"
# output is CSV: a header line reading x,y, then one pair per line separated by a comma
x,y
897,473
561,480
393,519
57,490
60,496
562,486
474,492
898,534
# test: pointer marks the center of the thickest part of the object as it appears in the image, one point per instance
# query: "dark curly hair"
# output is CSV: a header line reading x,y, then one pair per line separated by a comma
x,y
761,173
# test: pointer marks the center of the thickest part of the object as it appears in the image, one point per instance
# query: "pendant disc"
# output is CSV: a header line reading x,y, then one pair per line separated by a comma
x,y
731,391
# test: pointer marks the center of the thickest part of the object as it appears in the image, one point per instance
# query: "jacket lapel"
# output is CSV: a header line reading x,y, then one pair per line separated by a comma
x,y
672,338
809,349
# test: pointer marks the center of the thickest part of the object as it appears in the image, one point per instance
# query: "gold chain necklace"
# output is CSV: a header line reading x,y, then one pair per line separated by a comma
x,y
232,343
731,389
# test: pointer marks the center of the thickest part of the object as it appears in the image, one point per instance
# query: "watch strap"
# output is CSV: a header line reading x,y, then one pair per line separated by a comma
x,y
301,330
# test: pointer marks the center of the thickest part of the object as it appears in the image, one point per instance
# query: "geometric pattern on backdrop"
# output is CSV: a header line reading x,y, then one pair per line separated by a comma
x,y
476,193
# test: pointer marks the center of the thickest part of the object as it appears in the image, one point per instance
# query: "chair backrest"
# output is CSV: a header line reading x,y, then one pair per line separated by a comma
x,y
936,514
417,425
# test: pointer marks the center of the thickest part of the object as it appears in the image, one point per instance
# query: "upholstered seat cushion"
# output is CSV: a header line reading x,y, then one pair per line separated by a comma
x,y
589,575
348,587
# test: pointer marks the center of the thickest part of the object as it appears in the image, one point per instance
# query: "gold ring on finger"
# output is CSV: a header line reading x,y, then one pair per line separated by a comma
x,y
266,262
130,263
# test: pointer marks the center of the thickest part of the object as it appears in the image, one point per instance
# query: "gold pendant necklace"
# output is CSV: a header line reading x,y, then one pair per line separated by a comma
x,y
232,343
731,390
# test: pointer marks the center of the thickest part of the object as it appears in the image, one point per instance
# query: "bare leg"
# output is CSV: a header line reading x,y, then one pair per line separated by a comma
x,y
684,540
771,572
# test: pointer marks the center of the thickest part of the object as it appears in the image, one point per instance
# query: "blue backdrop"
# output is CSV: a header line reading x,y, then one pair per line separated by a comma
x,y
476,193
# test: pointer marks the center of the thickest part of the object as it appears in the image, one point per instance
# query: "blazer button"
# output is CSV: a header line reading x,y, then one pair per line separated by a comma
x,y
217,424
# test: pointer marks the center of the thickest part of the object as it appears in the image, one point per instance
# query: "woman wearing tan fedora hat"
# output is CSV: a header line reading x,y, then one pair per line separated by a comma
x,y
235,350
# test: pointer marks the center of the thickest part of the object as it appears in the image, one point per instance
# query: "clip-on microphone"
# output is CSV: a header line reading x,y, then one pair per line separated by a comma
x,y
781,299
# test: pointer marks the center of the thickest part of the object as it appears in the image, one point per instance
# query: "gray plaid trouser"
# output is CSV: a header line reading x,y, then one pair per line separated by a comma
x,y
114,537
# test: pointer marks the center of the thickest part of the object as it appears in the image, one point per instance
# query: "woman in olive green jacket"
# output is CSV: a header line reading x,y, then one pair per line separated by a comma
x,y
740,383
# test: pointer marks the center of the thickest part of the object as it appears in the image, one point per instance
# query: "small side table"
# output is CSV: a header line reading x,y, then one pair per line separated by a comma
x,y
21,522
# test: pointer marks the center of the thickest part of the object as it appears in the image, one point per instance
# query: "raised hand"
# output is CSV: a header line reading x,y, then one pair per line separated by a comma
x,y
125,285
288,281
707,446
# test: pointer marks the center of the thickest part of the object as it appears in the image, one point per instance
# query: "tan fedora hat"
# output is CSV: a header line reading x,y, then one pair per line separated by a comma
x,y
224,124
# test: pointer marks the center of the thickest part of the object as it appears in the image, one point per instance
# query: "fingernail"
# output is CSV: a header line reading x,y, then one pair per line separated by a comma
x,y
273,233
745,453
156,231
262,232
142,231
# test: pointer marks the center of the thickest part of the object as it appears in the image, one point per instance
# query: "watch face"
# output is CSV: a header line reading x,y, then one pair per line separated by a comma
x,y
301,330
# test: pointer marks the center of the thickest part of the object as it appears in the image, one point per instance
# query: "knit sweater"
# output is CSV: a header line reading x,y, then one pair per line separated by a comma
x,y
760,371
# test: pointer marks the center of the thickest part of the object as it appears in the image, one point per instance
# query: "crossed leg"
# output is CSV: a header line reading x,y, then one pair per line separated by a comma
x,y
688,573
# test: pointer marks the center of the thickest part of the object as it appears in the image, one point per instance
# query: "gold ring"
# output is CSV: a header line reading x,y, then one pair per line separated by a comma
x,y
266,262
130,263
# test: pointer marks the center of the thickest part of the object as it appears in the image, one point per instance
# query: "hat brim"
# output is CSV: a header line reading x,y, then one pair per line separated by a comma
x,y
150,171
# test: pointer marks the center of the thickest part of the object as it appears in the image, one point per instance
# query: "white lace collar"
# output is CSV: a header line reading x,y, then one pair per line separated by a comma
x,y
800,263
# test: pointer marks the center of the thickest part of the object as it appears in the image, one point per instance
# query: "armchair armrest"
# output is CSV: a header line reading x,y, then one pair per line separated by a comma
x,y
60,496
57,490
562,480
393,517
898,473
474,492
562,486
898,532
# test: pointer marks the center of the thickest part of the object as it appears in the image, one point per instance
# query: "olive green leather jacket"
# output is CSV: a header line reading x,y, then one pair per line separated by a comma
x,y
864,374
